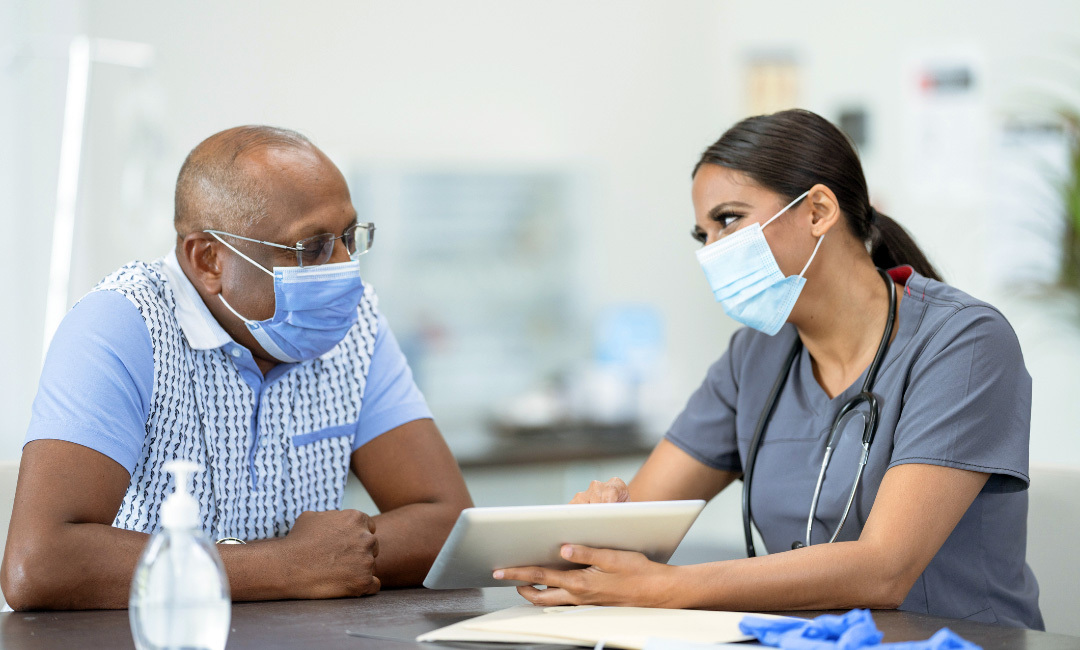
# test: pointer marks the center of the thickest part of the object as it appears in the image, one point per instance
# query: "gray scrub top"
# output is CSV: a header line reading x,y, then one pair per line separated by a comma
x,y
952,391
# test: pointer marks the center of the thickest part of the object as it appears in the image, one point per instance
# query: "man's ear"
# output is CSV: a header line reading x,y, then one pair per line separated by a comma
x,y
824,209
199,258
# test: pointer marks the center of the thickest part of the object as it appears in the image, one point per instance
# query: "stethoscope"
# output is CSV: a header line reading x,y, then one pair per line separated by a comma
x,y
869,429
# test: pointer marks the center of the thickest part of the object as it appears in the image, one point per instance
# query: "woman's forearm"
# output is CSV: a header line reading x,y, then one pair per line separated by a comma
x,y
825,576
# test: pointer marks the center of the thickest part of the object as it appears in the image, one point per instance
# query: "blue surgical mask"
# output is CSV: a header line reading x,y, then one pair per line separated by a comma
x,y
746,279
314,308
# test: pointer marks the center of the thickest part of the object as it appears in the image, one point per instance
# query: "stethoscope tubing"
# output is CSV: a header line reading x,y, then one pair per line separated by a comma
x,y
869,430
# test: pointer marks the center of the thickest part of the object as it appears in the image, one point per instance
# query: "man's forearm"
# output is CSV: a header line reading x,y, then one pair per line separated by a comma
x,y
74,566
409,539
90,566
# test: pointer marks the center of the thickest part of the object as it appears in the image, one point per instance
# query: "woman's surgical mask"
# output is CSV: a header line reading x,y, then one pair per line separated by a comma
x,y
746,279
314,308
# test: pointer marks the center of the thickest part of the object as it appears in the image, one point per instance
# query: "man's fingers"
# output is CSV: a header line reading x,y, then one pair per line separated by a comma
x,y
376,585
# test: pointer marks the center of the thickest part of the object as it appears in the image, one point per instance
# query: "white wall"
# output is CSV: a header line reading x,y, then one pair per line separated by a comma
x,y
631,91
34,38
611,87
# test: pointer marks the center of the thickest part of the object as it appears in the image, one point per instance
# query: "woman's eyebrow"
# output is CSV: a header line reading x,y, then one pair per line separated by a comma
x,y
720,208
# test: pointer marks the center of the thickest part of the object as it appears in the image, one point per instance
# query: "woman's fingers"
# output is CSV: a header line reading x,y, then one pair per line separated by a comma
x,y
533,575
611,491
601,558
550,597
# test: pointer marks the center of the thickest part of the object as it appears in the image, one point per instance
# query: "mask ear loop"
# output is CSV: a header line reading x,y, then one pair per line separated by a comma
x,y
816,246
235,313
777,215
233,249
259,266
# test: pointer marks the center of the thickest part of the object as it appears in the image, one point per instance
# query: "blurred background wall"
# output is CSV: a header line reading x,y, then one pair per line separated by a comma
x,y
619,96
950,101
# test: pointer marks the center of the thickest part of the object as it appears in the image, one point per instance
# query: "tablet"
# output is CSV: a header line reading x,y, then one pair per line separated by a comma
x,y
485,539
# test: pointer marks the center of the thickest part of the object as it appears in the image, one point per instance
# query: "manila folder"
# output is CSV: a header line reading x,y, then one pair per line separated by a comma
x,y
617,627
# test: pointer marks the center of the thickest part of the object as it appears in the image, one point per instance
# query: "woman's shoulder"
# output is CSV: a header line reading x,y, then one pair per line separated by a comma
x,y
947,316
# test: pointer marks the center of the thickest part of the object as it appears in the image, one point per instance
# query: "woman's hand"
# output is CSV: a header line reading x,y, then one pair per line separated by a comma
x,y
611,491
612,578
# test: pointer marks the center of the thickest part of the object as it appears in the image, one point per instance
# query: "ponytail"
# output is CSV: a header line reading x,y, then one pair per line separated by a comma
x,y
891,245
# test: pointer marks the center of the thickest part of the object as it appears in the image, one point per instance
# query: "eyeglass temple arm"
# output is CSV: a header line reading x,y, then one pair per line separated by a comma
x,y
235,250
257,241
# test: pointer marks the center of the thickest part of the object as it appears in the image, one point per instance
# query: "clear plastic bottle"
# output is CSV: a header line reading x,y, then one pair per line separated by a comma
x,y
180,593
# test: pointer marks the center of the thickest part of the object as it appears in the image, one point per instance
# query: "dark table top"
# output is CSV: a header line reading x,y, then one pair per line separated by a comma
x,y
393,618
554,446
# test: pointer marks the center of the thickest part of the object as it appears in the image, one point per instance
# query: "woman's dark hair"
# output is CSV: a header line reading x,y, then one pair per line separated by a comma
x,y
791,151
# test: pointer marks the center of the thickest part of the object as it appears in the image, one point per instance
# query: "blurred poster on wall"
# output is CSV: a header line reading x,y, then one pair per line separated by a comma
x,y
947,125
772,82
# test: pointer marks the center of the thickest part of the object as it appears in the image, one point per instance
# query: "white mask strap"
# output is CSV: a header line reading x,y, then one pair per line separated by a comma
x,y
236,313
263,268
801,197
816,246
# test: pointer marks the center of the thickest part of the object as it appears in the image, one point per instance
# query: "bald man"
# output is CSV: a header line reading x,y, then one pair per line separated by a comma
x,y
255,350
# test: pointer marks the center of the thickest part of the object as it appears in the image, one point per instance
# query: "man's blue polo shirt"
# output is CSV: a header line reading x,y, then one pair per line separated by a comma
x,y
116,382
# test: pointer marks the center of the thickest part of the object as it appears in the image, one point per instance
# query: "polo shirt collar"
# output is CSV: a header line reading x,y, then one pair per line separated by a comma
x,y
201,329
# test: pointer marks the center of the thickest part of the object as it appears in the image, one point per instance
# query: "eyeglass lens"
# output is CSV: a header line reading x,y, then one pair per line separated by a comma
x,y
318,249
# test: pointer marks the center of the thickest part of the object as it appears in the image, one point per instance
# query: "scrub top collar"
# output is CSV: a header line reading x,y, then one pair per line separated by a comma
x,y
201,329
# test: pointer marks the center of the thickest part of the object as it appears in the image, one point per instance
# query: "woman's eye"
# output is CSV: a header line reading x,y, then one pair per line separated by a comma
x,y
725,219
699,235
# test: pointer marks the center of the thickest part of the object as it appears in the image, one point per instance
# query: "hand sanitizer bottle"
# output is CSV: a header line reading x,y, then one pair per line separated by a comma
x,y
180,594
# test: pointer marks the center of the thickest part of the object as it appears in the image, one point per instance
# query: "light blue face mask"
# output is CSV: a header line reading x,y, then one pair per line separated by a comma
x,y
746,279
314,308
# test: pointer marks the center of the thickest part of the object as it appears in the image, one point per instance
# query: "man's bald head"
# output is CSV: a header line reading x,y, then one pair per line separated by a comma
x,y
219,189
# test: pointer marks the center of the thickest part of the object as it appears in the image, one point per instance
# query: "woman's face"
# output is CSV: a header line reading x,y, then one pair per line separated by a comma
x,y
726,201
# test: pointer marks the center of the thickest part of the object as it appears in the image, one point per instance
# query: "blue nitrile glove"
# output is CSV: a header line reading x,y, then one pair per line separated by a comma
x,y
852,631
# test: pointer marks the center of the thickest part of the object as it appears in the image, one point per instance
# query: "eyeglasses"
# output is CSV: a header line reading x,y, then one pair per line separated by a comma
x,y
317,250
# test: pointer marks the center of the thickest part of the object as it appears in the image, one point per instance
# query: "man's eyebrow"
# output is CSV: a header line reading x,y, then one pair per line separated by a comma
x,y
720,208
315,230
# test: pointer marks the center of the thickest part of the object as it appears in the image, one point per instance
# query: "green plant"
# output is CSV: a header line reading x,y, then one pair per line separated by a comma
x,y
1069,277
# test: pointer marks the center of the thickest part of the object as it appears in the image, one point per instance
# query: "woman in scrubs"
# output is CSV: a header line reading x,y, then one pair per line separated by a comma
x,y
792,249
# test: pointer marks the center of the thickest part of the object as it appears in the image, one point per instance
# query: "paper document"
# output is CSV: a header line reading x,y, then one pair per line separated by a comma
x,y
617,627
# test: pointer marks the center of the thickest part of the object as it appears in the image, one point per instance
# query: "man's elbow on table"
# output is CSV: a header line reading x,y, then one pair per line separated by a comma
x,y
26,575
